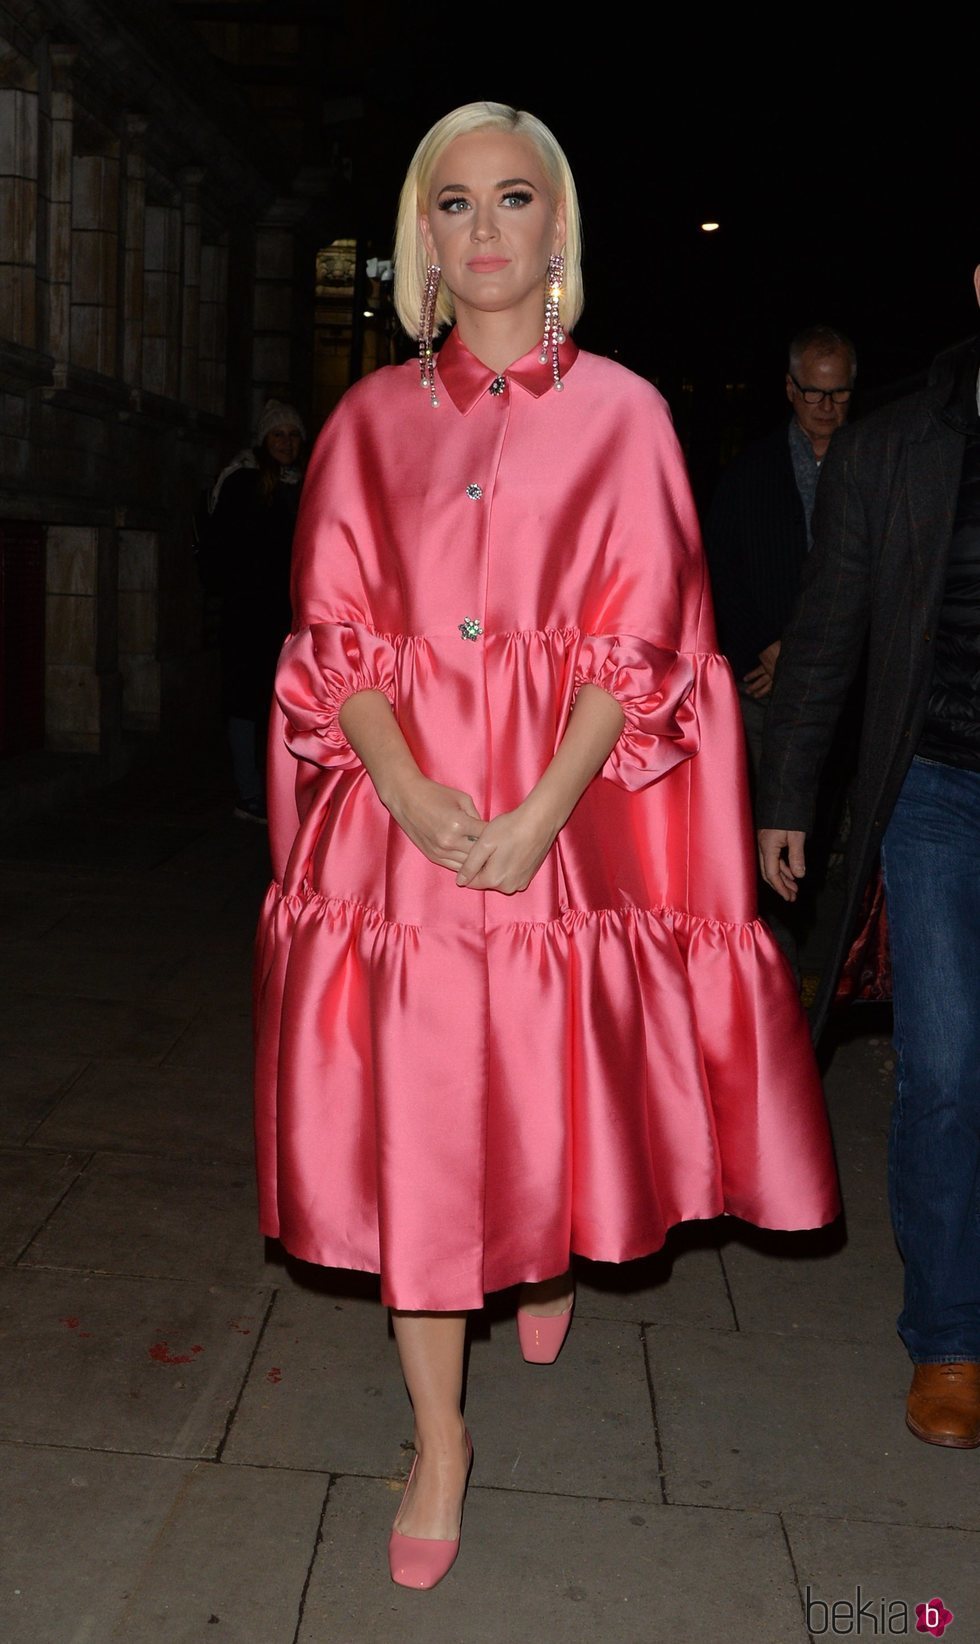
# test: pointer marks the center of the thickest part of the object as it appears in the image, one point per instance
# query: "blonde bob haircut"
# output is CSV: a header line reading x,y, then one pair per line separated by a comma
x,y
411,262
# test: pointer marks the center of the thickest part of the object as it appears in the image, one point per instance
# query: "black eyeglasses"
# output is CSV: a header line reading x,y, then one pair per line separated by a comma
x,y
814,396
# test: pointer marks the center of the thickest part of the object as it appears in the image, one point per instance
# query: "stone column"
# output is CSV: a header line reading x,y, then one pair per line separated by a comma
x,y
58,189
276,302
95,260
214,328
18,210
161,300
191,179
134,231
81,681
139,661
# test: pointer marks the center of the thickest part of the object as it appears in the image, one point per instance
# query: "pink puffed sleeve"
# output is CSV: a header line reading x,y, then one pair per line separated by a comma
x,y
319,669
653,688
647,626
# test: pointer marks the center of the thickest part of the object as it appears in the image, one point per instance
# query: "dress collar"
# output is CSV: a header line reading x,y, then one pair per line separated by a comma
x,y
466,379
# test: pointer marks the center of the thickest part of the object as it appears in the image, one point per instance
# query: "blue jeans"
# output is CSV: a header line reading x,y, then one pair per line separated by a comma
x,y
931,870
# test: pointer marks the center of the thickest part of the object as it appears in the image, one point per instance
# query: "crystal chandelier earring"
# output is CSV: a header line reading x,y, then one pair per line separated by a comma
x,y
427,365
553,333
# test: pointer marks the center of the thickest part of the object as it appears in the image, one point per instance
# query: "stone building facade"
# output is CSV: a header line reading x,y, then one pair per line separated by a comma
x,y
154,289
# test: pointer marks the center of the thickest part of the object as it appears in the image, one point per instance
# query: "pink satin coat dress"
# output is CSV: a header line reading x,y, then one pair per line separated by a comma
x,y
458,1088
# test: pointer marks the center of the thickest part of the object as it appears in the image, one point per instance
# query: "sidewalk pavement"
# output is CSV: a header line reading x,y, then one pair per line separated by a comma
x,y
203,1441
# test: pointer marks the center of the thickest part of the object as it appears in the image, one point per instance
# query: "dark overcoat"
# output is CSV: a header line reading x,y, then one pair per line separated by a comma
x,y
755,541
872,586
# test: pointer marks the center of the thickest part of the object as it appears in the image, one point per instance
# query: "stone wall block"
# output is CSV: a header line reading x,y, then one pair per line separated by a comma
x,y
70,628
59,320
61,163
13,415
18,132
18,220
18,304
59,241
15,459
208,336
272,309
161,241
214,273
87,336
273,255
72,712
271,359
137,622
138,561
72,557
95,191
155,364
141,691
93,268
156,303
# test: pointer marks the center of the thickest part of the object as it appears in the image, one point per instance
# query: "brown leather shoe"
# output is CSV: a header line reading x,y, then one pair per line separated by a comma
x,y
944,1404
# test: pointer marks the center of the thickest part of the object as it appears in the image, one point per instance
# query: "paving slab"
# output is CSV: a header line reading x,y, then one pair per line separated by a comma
x,y
850,1293
129,1107
149,1550
862,1163
60,965
218,1040
682,1284
95,841
896,1568
32,1182
548,1568
581,1426
122,1364
31,1085
160,1218
124,911
33,902
84,1027
858,1063
800,1425
325,1390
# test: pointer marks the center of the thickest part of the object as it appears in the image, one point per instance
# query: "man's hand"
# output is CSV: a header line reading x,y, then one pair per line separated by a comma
x,y
780,870
758,681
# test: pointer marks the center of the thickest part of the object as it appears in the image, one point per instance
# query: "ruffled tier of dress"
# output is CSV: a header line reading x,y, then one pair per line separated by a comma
x,y
457,1088
483,1109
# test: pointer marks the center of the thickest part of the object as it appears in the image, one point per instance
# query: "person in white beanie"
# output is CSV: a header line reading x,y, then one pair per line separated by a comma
x,y
246,561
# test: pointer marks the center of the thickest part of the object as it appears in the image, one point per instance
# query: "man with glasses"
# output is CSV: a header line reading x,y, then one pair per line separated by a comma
x,y
757,535
892,585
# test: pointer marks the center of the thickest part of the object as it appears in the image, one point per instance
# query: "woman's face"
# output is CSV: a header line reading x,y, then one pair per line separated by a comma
x,y
490,223
284,445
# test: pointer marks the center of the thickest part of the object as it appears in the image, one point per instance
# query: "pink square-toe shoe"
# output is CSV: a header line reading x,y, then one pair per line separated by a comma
x,y
542,1339
415,1561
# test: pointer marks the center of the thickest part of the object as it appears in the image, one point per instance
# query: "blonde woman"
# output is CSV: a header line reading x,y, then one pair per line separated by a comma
x,y
513,1000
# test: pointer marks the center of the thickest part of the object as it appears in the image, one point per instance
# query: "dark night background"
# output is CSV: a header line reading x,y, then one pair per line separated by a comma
x,y
842,174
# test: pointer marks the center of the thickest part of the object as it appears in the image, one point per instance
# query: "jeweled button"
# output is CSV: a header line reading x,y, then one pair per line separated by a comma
x,y
498,385
470,628
474,492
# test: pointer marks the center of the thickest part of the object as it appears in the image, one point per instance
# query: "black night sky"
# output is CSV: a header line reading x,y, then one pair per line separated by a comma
x,y
844,178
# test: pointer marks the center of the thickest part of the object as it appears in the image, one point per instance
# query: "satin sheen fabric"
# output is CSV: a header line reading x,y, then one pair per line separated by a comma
x,y
457,1088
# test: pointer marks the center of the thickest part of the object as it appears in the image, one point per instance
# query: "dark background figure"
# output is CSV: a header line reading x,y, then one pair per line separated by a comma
x,y
245,560
757,536
895,572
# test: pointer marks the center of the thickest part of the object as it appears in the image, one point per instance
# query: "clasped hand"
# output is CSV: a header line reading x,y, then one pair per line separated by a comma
x,y
445,825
